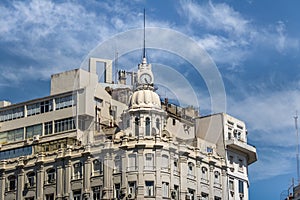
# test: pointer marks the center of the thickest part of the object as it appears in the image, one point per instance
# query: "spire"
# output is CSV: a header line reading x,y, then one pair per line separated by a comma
x,y
144,61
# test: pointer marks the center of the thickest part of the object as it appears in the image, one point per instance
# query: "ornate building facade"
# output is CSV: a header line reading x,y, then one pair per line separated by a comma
x,y
91,140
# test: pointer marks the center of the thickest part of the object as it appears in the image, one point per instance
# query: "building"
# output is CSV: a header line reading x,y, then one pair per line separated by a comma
x,y
91,140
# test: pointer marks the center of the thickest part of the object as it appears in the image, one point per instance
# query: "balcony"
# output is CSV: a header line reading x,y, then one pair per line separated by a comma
x,y
241,146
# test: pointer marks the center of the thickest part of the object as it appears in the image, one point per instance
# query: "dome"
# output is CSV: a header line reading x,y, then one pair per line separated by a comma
x,y
144,99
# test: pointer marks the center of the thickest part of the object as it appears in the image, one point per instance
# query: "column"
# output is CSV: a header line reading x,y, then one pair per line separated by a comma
x,y
183,176
107,176
20,181
59,180
68,177
2,181
225,189
158,184
87,177
140,181
198,177
211,182
40,181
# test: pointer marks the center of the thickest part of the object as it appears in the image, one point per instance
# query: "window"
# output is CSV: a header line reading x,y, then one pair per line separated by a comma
x,y
132,162
217,177
33,130
209,150
46,106
118,164
191,194
64,125
97,167
12,183
11,114
217,198
15,135
77,167
29,198
76,195
13,153
165,189
49,196
149,161
30,179
157,123
241,187
204,196
50,175
231,185
136,126
174,122
47,128
96,193
147,125
117,193
175,192
64,102
231,160
204,173
191,170
165,162
131,188
241,163
149,188
33,109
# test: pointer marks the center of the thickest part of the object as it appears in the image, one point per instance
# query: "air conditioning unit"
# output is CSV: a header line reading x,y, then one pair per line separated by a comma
x,y
36,138
130,196
173,194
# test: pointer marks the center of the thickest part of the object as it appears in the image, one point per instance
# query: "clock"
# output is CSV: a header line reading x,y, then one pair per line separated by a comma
x,y
145,78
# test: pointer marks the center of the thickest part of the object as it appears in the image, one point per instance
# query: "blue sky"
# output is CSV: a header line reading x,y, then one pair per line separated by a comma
x,y
254,44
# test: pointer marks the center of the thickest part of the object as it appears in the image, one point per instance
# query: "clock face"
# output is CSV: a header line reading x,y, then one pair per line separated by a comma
x,y
145,78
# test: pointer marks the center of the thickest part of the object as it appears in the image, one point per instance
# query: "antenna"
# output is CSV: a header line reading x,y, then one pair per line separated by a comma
x,y
144,48
297,133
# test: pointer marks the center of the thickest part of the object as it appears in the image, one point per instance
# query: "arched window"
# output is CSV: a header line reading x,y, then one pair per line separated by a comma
x,y
147,123
51,175
217,177
136,126
204,173
191,169
157,123
30,179
12,183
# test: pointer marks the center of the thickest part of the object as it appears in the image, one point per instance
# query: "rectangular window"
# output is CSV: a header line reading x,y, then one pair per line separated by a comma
x,y
117,190
132,162
12,114
131,189
118,164
191,194
231,185
165,162
3,137
77,169
149,162
33,130
33,109
149,188
96,193
15,135
209,150
165,189
64,102
48,128
97,167
49,197
64,125
77,195
241,163
241,187
204,196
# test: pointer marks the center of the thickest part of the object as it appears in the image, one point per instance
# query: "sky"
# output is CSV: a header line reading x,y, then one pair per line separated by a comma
x,y
252,46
